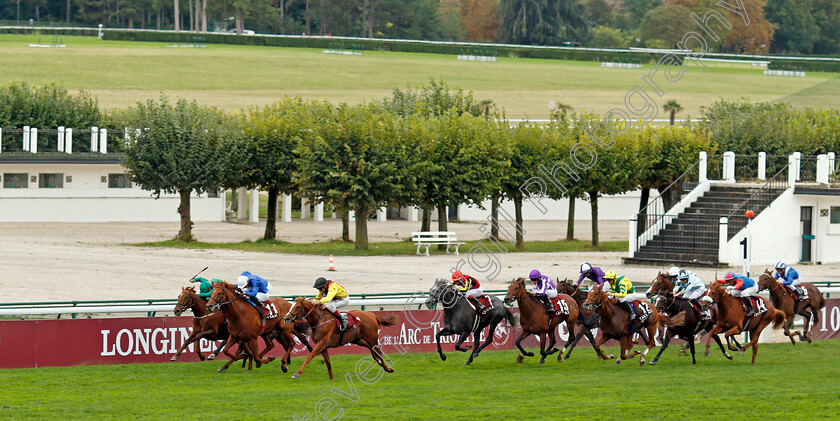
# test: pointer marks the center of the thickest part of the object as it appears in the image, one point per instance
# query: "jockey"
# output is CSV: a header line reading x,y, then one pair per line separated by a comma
x,y
620,288
743,287
332,296
674,274
544,287
790,276
206,286
689,285
595,274
255,288
471,288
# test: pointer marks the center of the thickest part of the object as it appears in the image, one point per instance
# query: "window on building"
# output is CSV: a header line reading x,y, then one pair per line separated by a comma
x,y
119,181
15,181
50,181
835,215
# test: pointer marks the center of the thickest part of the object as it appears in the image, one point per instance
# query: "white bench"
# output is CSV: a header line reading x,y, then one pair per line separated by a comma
x,y
430,238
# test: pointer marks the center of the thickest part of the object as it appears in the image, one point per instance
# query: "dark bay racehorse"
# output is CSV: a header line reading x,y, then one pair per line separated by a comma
x,y
616,324
536,321
587,319
731,318
459,318
809,309
671,306
326,333
205,325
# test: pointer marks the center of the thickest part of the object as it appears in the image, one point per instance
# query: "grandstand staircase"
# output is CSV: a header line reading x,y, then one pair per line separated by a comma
x,y
691,238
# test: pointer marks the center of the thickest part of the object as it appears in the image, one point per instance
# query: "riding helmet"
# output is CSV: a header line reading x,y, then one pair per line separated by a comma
x,y
320,283
729,276
674,271
780,265
457,276
585,268
683,275
610,275
535,274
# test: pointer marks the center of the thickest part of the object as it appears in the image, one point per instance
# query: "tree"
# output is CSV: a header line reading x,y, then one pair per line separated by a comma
x,y
606,37
826,16
672,107
599,12
272,133
541,22
358,162
449,16
181,148
637,9
480,20
46,107
667,23
796,28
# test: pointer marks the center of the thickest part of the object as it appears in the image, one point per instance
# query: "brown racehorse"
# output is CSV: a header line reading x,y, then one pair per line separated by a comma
x,y
616,324
731,318
205,325
325,332
587,319
535,320
783,301
245,325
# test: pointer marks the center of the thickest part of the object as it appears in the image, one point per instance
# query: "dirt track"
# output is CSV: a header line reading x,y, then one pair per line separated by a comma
x,y
58,262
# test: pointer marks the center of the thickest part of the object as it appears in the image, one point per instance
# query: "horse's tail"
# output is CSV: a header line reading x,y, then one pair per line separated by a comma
x,y
511,319
778,318
676,320
390,321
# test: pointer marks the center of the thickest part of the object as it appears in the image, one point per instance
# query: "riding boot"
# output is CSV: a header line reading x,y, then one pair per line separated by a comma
x,y
547,303
632,310
343,319
478,304
800,292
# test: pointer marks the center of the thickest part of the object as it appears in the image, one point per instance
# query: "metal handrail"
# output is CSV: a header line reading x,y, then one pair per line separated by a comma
x,y
760,199
669,187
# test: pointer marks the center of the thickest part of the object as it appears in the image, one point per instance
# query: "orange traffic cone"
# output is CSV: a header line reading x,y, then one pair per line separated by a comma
x,y
332,264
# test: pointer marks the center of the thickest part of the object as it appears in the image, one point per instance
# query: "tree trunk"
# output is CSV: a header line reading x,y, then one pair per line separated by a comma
x,y
158,20
184,210
192,22
204,16
520,239
426,221
38,13
323,18
177,17
239,22
371,18
282,9
673,113
641,221
68,11
361,229
345,225
442,221
306,13
570,223
494,216
365,7
271,216
593,203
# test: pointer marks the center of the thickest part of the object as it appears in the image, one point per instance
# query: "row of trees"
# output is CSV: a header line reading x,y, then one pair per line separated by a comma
x,y
782,26
359,158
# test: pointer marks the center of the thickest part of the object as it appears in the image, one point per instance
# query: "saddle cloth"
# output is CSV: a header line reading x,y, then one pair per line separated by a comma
x,y
352,321
268,309
485,301
795,295
559,306
645,307
758,303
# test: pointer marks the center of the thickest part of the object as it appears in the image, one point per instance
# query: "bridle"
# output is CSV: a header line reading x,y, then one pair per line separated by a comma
x,y
592,305
184,306
296,317
218,304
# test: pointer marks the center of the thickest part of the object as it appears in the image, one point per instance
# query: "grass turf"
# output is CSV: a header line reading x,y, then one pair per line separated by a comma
x,y
121,73
787,382
390,248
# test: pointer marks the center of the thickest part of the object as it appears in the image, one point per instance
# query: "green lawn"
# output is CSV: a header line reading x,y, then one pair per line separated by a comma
x,y
121,73
390,248
786,383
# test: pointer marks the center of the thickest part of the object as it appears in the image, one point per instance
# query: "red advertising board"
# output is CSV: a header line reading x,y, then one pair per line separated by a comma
x,y
42,343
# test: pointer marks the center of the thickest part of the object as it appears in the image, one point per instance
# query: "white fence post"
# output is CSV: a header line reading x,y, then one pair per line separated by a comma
x,y
831,167
26,138
822,169
798,163
94,139
704,166
319,212
103,140
304,208
792,171
382,214
723,238
729,166
241,204
762,165
60,142
634,225
33,140
68,141
286,215
412,214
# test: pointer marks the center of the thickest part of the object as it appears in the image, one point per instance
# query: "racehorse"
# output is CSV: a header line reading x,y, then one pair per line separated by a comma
x,y
326,333
671,306
587,319
615,324
783,301
245,325
536,321
732,318
660,285
205,325
460,318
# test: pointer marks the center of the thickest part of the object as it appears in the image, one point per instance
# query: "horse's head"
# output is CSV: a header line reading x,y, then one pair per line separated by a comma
x,y
439,292
660,285
716,290
595,298
766,281
219,296
662,302
565,287
301,307
187,299
516,290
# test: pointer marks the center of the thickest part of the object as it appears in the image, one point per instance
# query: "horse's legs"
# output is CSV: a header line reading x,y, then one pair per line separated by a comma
x,y
444,331
461,340
316,350
377,355
668,335
189,340
552,338
269,345
218,350
518,342
597,345
326,354
231,356
813,323
573,340
477,345
624,343
490,332
542,335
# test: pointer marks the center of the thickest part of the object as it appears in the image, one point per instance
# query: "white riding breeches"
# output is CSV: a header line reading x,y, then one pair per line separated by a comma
x,y
551,293
694,294
334,305
624,299
263,297
475,292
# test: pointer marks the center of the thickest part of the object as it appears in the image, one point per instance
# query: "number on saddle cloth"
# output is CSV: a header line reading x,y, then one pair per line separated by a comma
x,y
271,310
559,305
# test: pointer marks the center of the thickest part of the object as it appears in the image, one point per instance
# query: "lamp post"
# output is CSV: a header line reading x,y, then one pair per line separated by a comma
x,y
748,243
